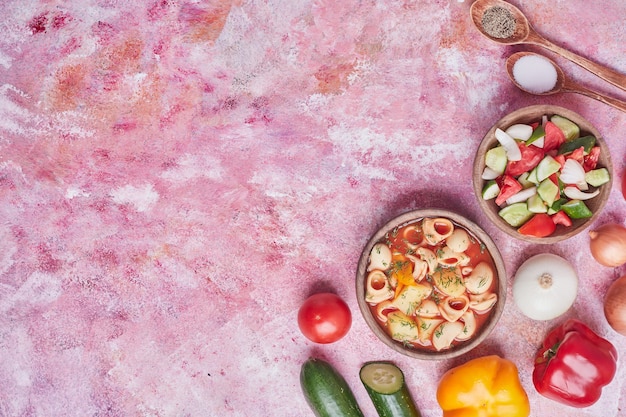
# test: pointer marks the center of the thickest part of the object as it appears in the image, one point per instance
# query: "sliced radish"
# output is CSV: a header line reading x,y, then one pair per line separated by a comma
x,y
575,194
523,195
509,144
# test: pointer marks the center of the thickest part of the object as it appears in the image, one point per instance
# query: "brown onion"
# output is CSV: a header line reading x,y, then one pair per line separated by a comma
x,y
608,244
615,305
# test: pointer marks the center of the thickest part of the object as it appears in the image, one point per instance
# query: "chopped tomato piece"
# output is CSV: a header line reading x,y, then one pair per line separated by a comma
x,y
540,225
590,161
560,159
555,179
561,218
508,187
577,154
534,125
554,137
531,156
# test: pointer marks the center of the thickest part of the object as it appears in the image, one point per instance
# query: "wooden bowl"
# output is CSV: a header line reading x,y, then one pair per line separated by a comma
x,y
500,285
529,115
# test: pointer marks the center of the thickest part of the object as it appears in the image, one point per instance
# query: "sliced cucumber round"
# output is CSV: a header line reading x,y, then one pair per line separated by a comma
x,y
384,383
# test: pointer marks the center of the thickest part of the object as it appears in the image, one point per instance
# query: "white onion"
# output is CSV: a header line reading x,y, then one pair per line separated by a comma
x,y
545,286
509,144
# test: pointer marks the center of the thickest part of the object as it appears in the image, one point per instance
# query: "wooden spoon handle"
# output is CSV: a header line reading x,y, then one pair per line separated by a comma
x,y
573,87
607,74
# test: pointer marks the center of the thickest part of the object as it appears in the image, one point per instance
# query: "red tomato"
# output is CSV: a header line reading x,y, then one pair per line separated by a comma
x,y
554,137
540,225
561,218
324,318
508,187
590,161
531,156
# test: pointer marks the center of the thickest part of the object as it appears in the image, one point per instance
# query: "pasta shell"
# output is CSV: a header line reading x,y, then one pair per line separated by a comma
x,y
483,302
480,279
436,230
469,321
452,308
377,287
445,333
380,257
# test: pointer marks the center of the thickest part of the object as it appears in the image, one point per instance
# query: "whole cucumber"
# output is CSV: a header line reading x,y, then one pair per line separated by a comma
x,y
326,391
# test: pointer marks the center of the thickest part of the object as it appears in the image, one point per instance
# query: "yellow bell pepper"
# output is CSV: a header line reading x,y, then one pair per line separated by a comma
x,y
488,386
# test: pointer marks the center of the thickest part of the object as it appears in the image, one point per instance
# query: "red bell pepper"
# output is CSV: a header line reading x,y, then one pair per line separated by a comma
x,y
574,364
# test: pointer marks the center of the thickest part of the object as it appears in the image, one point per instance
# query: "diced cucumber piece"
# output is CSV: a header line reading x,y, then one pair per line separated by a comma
x,y
536,204
597,177
548,191
532,176
516,214
569,128
491,190
547,167
587,142
538,133
523,179
556,206
496,159
576,209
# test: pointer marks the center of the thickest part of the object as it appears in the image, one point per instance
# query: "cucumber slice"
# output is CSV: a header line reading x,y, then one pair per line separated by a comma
x,y
495,158
516,214
569,128
326,391
597,177
548,191
384,383
547,167
523,179
536,204
576,209
587,142
491,190
532,176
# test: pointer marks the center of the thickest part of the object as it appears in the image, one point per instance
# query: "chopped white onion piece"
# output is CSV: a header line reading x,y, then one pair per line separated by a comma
x,y
522,195
583,186
490,174
539,142
510,146
544,119
575,194
520,131
572,172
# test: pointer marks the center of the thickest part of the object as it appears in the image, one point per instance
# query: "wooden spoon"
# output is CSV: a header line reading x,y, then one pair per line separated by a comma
x,y
525,34
563,83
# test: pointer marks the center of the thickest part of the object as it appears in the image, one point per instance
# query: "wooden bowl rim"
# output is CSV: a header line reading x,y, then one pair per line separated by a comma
x,y
473,228
525,115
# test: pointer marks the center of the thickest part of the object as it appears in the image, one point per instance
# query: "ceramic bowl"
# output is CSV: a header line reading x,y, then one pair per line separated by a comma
x,y
528,115
484,247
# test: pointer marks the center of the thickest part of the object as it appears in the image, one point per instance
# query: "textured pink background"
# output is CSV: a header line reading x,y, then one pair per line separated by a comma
x,y
176,176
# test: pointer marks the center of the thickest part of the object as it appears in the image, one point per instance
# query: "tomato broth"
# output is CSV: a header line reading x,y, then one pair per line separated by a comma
x,y
431,303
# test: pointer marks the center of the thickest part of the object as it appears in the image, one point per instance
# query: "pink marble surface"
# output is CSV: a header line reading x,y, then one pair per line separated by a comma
x,y
176,176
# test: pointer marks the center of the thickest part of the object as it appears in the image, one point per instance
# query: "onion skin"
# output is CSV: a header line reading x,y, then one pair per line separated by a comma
x,y
608,244
615,305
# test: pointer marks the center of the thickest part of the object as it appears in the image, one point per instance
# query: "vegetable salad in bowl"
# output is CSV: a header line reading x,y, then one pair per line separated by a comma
x,y
542,174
